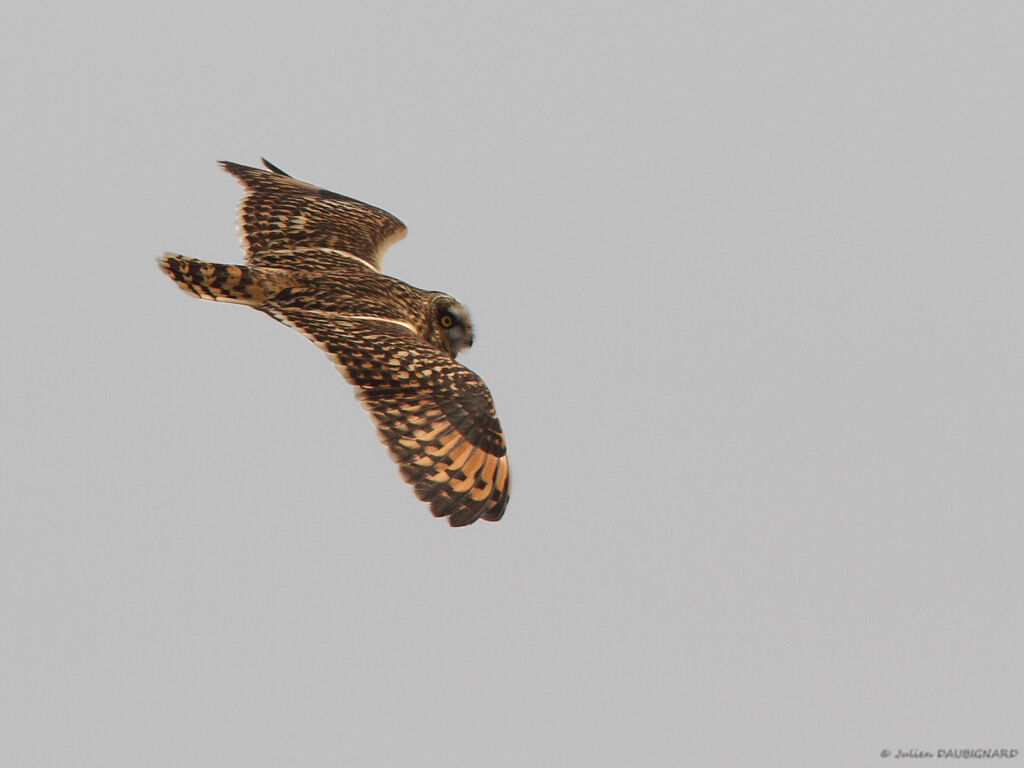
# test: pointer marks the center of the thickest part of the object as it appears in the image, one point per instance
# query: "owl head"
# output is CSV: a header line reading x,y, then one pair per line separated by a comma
x,y
448,325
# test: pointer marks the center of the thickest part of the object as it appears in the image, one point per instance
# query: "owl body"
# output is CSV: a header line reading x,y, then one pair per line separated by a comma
x,y
313,263
350,289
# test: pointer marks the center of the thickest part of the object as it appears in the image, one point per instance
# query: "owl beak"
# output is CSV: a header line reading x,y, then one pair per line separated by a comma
x,y
460,339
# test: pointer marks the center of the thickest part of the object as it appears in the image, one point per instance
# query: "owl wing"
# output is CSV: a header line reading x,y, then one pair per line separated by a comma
x,y
285,222
435,416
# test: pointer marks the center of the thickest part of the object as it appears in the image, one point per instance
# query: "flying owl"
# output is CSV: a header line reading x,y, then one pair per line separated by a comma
x,y
313,263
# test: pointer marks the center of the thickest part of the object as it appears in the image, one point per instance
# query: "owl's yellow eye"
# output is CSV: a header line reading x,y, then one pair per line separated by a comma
x,y
446,321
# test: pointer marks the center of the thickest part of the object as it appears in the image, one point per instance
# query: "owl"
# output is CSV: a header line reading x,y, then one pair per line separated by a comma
x,y
312,261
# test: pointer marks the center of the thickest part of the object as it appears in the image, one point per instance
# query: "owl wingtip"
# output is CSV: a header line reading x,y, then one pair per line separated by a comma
x,y
271,167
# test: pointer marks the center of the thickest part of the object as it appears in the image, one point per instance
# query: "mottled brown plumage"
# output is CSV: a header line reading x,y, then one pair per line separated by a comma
x,y
312,262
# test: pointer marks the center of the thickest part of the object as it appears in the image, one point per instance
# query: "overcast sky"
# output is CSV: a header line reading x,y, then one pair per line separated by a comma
x,y
746,280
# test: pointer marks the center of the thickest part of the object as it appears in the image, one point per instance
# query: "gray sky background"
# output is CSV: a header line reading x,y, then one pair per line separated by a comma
x,y
746,280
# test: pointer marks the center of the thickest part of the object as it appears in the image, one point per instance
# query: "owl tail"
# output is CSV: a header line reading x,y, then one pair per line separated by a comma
x,y
217,282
